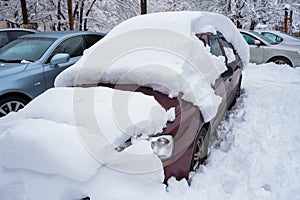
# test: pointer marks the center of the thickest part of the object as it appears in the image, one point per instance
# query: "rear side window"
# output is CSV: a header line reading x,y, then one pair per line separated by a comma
x,y
272,37
91,40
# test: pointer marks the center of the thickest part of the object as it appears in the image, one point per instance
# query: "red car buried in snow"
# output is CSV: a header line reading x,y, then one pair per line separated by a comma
x,y
189,61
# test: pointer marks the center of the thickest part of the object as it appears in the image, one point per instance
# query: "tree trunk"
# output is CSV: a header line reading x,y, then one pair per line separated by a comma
x,y
253,25
143,7
70,14
81,15
59,15
24,14
87,14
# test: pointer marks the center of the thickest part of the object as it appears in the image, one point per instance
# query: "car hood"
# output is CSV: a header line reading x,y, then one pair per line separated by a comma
x,y
84,125
11,68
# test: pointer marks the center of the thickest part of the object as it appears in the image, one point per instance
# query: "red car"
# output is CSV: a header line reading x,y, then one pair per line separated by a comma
x,y
191,134
204,54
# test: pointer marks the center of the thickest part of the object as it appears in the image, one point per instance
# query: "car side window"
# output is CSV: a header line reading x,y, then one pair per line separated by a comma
x,y
272,37
228,50
73,46
91,40
249,39
3,38
215,47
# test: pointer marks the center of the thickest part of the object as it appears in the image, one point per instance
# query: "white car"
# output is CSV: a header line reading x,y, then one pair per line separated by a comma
x,y
263,50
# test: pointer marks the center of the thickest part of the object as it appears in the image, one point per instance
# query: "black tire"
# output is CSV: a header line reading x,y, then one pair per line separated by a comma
x,y
199,152
10,104
281,61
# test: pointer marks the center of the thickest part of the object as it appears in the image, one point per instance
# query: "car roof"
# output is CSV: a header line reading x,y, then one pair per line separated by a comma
x,y
186,23
18,29
282,34
60,34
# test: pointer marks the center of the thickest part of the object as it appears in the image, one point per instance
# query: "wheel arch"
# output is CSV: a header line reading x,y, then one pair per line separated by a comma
x,y
282,58
16,94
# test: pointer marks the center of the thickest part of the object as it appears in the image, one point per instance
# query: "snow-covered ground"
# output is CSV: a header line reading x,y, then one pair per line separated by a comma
x,y
256,157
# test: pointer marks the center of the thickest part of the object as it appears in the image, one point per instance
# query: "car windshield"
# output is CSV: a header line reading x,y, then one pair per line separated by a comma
x,y
25,49
263,38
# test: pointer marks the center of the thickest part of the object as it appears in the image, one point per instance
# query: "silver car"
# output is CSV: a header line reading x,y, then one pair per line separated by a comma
x,y
280,37
263,50
30,64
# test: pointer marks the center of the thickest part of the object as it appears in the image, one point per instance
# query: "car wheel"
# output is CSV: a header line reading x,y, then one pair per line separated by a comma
x,y
199,155
10,104
281,61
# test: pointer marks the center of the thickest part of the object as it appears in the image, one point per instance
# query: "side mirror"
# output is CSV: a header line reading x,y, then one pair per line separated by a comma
x,y
228,72
257,42
59,59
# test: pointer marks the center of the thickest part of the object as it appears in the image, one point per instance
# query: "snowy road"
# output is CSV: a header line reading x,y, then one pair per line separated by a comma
x,y
257,156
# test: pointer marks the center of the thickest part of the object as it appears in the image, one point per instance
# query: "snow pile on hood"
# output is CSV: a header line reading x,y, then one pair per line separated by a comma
x,y
53,137
160,51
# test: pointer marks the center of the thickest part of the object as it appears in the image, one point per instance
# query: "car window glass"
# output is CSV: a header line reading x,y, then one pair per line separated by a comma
x,y
30,49
249,39
3,38
228,50
215,48
16,34
271,36
73,46
91,40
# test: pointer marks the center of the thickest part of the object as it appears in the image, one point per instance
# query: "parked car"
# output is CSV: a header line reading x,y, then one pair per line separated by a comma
x,y
280,37
29,64
148,97
9,34
263,50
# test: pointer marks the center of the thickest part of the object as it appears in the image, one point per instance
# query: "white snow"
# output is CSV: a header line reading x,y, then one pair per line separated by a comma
x,y
50,134
160,50
256,157
230,55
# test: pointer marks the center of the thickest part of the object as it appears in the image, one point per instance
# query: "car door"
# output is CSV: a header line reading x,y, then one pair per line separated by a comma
x,y
234,62
73,46
222,85
256,50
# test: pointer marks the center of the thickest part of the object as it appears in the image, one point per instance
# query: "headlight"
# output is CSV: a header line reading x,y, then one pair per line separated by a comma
x,y
298,52
162,146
